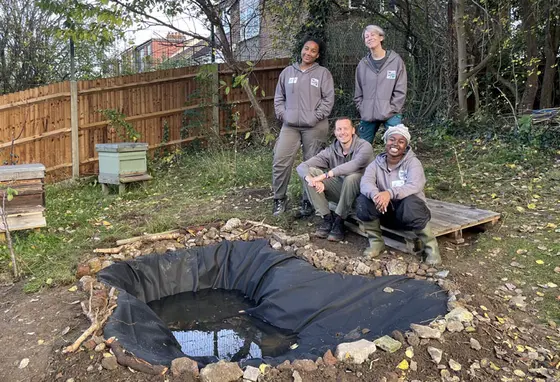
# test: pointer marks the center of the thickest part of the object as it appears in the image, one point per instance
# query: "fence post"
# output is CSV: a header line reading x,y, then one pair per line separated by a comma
x,y
216,99
74,129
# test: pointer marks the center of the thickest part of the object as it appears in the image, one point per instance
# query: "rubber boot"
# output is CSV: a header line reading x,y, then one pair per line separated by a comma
x,y
431,248
375,238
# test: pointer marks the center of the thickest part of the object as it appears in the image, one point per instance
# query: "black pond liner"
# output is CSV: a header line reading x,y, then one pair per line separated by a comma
x,y
288,293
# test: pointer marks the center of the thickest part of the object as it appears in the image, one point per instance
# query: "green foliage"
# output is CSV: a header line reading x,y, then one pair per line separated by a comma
x,y
117,122
318,17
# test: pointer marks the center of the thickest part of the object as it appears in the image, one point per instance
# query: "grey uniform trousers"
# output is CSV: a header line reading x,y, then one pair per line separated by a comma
x,y
312,139
342,190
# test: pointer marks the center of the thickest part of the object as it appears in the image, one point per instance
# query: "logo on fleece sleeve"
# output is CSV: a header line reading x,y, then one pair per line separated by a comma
x,y
292,80
391,74
315,82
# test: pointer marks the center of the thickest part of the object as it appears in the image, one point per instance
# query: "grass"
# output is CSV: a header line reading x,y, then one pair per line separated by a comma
x,y
80,218
522,183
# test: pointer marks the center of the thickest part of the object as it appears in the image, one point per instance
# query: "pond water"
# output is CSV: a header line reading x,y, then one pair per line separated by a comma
x,y
211,322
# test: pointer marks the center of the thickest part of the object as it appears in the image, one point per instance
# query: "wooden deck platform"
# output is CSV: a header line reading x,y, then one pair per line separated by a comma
x,y
448,219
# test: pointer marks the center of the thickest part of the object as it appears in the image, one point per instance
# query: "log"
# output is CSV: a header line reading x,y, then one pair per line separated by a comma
x,y
133,362
262,224
110,251
152,237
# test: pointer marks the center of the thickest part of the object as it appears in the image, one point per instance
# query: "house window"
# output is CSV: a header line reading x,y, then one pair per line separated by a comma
x,y
249,18
226,24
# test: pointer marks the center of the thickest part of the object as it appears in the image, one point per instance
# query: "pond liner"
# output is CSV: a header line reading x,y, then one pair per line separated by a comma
x,y
324,308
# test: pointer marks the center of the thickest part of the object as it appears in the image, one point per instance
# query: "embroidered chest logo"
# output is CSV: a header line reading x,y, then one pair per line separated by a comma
x,y
292,80
402,179
315,82
391,74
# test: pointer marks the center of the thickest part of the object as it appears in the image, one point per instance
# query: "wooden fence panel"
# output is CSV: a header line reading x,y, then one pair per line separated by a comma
x,y
166,107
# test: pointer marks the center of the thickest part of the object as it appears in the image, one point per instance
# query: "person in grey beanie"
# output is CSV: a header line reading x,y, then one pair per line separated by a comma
x,y
381,84
392,193
303,100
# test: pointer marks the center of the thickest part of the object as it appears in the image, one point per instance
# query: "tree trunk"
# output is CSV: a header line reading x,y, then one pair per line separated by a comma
x,y
551,46
461,58
532,82
451,59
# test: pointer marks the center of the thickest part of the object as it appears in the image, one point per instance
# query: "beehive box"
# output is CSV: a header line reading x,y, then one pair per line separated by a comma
x,y
27,209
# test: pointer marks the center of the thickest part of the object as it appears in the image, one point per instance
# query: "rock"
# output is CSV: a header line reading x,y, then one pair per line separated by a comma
x,y
329,358
319,362
413,365
358,351
284,365
86,283
184,365
459,314
299,241
425,331
435,353
296,376
251,373
277,246
90,344
519,373
518,302
362,269
413,268
455,326
94,265
412,338
280,237
304,365
89,368
475,344
388,344
421,272
82,270
23,363
109,363
107,263
100,347
441,274
221,372
454,365
230,225
396,267
398,336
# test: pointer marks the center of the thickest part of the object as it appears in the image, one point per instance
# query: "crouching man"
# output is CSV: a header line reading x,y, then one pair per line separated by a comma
x,y
334,175
392,193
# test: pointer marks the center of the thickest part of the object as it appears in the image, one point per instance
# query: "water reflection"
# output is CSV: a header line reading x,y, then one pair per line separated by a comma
x,y
208,323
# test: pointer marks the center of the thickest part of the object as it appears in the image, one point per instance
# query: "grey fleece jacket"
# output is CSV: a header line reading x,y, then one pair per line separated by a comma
x,y
379,96
304,98
407,178
331,158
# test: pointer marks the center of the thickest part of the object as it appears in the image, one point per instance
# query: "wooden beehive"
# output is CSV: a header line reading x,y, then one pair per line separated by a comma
x,y
27,209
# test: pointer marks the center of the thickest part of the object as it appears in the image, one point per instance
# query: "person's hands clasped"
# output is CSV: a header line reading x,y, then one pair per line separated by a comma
x,y
381,201
316,182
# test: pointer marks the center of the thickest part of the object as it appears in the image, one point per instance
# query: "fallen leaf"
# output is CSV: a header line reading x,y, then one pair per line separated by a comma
x,y
65,331
73,289
540,262
552,285
403,365
49,281
40,342
531,206
540,294
409,352
23,364
520,209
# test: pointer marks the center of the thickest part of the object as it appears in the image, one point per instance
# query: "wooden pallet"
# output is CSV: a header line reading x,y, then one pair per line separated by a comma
x,y
448,219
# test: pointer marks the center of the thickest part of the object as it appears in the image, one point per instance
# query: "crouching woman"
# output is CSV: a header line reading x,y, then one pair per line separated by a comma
x,y
392,194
